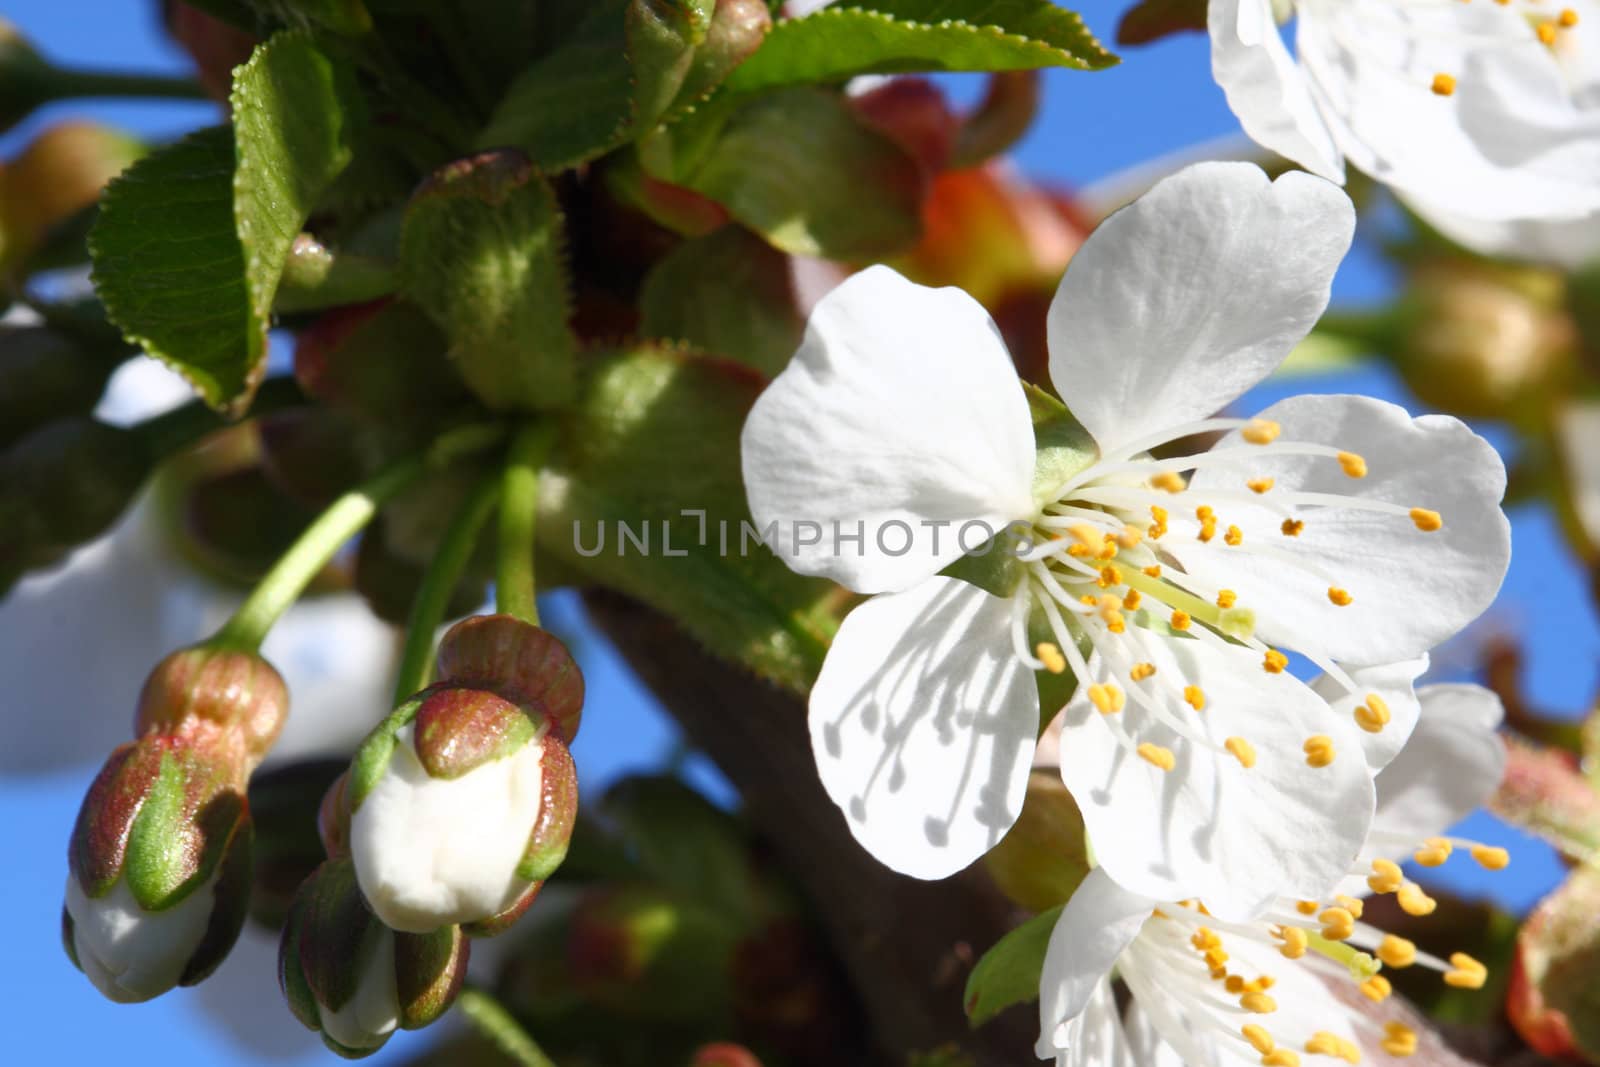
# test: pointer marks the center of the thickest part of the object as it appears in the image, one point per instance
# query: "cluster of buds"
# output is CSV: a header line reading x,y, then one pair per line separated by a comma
x,y
160,857
454,811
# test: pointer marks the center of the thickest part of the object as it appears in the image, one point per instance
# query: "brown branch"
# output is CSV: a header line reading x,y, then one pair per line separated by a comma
x,y
907,945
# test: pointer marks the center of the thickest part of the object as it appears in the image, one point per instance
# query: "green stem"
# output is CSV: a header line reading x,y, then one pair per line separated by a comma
x,y
288,578
497,1024
519,508
67,84
438,583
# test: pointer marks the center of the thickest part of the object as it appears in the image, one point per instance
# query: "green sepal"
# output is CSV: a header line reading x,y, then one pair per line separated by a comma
x,y
992,566
907,36
459,729
182,831
429,970
1009,972
482,252
1063,447
372,758
558,812
1044,857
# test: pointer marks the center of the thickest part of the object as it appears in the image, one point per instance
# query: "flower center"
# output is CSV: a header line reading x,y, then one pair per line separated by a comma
x,y
1328,937
1109,553
1550,26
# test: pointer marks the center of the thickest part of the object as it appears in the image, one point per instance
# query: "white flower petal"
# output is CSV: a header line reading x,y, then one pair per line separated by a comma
x,y
1192,294
900,410
1265,89
434,851
131,954
1510,141
1410,589
1234,837
1392,684
1098,922
923,723
1150,1049
1451,767
1095,1038
1566,243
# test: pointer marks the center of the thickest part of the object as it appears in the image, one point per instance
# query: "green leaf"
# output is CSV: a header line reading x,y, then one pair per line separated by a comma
x,y
800,169
170,216
904,36
576,102
727,293
656,434
663,36
1009,972
481,252
341,16
214,216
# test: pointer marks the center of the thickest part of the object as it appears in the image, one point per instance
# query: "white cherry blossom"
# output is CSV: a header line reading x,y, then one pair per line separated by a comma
x,y
1212,993
1169,598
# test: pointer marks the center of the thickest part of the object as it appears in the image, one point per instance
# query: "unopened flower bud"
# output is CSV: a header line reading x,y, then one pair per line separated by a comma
x,y
461,805
284,809
226,697
159,868
521,662
351,978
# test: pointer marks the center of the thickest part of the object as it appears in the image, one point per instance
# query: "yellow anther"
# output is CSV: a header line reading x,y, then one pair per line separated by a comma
x,y
1051,657
1226,598
1337,923
1108,550
1376,989
1208,529
1319,750
1349,1051
1204,513
1385,876
1205,939
1109,609
1261,431
1350,904
1258,1037
1491,859
1157,756
1159,514
1466,972
1281,1057
1131,601
1153,571
1426,521
1109,576
1352,465
1292,527
1171,481
1374,715
1340,597
1088,536
1546,32
1087,599
1179,620
1568,18
1107,698
1443,85
1242,750
1233,983
1129,536
1258,1003
1195,697
1216,959
1434,852
1079,551
1234,536
1295,941
1399,1040
1260,485
1307,907
1323,1043
1413,901
1274,661
1396,951
1141,671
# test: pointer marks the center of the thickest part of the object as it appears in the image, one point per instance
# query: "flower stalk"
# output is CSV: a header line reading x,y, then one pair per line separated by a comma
x,y
514,579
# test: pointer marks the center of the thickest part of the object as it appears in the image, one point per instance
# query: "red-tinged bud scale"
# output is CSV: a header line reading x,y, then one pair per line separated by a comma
x,y
208,691
523,663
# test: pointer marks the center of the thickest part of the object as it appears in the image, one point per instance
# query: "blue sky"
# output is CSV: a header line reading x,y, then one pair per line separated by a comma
x,y
1160,100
